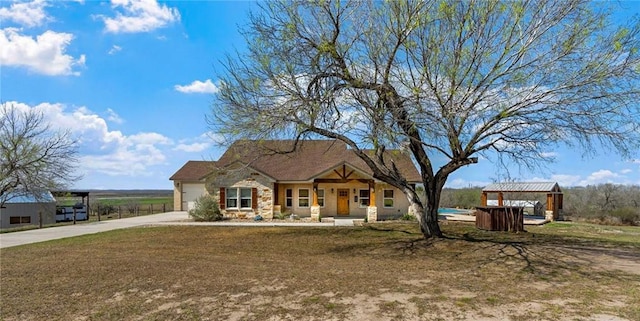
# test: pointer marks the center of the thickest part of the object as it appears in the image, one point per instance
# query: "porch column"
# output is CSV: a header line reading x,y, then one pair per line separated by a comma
x,y
315,207
549,213
500,199
483,199
372,209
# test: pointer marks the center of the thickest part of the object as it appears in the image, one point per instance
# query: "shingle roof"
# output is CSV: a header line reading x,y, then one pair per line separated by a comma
x,y
532,187
194,171
312,157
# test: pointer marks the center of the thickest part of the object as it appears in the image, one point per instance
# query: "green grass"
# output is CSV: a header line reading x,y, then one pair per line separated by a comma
x,y
383,270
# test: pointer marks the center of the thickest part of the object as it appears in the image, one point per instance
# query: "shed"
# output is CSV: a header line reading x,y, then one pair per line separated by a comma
x,y
28,209
514,189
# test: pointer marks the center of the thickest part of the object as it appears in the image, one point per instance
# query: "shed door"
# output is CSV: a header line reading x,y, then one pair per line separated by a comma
x,y
343,202
190,192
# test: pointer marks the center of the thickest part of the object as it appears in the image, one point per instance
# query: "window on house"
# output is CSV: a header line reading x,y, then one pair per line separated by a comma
x,y
303,197
388,197
14,220
238,196
288,197
245,198
364,197
25,219
321,197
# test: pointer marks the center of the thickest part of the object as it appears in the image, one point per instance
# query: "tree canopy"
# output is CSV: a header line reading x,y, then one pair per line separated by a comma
x,y
447,79
33,157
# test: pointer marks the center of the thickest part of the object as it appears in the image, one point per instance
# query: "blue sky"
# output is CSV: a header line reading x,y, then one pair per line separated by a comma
x,y
133,81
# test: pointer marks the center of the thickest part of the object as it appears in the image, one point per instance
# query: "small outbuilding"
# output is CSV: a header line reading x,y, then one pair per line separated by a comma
x,y
28,209
511,191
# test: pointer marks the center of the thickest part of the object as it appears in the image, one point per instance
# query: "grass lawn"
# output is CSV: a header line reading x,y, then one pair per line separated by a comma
x,y
383,271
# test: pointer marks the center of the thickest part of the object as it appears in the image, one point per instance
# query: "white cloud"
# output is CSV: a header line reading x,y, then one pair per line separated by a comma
x,y
28,14
103,150
139,16
625,171
114,49
192,148
45,54
113,117
197,86
600,177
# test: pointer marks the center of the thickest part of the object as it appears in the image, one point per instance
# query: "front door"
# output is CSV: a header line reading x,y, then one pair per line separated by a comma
x,y
343,201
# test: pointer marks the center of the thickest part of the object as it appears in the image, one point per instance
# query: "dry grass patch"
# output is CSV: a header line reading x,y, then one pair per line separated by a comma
x,y
377,272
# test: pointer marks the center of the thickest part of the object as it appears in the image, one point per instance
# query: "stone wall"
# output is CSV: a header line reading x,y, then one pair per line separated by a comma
x,y
246,178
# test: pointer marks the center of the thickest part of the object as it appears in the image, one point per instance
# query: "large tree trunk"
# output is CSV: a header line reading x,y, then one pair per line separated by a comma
x,y
427,215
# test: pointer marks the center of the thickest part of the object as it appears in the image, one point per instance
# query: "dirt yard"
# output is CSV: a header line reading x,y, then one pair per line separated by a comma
x,y
378,272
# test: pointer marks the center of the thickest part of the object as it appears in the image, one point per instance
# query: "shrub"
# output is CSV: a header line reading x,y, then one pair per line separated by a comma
x,y
626,215
103,208
408,217
206,209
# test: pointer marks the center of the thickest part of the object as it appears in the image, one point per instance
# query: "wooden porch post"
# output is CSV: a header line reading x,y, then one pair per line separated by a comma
x,y
500,199
315,194
483,199
372,193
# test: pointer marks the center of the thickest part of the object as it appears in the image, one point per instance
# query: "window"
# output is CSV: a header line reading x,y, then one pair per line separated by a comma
x,y
288,197
321,197
364,197
245,198
303,197
238,196
232,198
388,197
19,219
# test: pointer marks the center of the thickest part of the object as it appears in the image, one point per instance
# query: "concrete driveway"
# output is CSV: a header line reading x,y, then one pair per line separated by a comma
x,y
53,233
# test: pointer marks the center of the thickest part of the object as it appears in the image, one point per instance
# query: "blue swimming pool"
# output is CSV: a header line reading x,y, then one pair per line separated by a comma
x,y
443,210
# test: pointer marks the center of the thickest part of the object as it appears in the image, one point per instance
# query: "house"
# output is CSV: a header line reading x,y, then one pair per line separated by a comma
x,y
28,209
319,178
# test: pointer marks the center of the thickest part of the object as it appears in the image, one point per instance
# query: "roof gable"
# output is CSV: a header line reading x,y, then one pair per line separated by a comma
x,y
194,171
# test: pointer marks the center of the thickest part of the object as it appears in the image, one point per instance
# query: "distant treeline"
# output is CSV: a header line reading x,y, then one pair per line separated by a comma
x,y
606,203
129,193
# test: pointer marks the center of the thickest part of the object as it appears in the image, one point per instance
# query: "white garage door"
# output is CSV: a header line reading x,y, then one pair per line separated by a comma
x,y
190,192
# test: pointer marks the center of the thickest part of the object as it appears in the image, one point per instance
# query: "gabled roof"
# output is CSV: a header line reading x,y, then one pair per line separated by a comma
x,y
531,187
311,157
276,159
194,171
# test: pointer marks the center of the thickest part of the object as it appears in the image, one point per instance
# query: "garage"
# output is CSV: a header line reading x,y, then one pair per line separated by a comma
x,y
191,192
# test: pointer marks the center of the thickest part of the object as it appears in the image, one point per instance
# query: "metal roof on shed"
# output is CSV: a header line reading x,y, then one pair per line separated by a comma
x,y
523,187
44,197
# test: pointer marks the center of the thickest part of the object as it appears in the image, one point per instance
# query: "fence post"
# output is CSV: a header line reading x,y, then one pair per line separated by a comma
x,y
119,211
164,207
98,213
74,215
150,209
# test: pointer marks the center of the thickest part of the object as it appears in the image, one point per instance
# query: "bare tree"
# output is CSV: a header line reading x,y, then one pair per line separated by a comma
x,y
33,157
438,79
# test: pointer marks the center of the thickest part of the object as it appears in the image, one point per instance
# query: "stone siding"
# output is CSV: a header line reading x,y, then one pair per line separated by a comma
x,y
245,178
